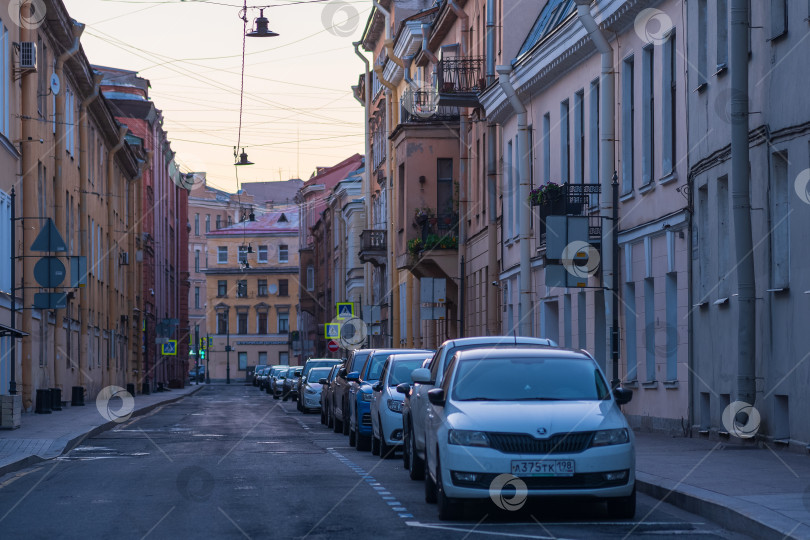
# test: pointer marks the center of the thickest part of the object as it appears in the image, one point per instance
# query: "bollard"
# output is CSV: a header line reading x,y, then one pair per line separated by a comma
x,y
131,388
56,399
77,396
43,404
160,386
145,389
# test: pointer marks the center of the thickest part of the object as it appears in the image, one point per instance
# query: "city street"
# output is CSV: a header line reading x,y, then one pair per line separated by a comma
x,y
231,462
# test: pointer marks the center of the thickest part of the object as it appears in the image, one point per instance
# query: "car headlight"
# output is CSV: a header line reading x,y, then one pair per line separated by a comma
x,y
464,437
608,437
365,397
395,405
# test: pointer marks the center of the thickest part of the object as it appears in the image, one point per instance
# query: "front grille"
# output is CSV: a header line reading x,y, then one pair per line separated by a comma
x,y
366,420
578,481
520,443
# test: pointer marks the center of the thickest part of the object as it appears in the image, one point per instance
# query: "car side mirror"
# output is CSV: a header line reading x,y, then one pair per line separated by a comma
x,y
404,388
421,375
622,395
323,381
436,396
354,376
378,386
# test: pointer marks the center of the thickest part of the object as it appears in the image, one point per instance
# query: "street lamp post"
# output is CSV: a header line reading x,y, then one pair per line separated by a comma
x,y
227,347
207,359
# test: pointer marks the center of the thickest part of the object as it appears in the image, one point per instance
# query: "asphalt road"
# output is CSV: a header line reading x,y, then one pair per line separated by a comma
x,y
231,462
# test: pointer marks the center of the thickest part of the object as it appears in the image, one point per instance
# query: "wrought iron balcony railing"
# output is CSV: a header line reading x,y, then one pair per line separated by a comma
x,y
373,244
461,79
423,106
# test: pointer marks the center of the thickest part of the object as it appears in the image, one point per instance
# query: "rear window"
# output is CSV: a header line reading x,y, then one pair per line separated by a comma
x,y
357,361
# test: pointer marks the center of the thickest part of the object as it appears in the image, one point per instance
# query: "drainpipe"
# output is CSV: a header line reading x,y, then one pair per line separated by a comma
x,y
84,211
741,205
367,160
525,297
465,29
407,73
607,166
112,262
132,330
59,188
425,48
492,188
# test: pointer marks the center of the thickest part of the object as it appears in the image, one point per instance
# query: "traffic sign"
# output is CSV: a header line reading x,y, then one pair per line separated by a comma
x,y
49,272
53,300
333,346
169,348
331,330
49,239
345,310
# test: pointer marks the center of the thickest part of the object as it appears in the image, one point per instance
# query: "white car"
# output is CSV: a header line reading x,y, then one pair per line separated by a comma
x,y
311,390
415,408
386,402
541,421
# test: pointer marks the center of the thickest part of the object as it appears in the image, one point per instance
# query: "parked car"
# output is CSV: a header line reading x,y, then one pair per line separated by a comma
x,y
260,376
199,376
360,395
416,405
276,382
340,392
546,416
289,388
268,374
327,393
386,402
312,389
308,365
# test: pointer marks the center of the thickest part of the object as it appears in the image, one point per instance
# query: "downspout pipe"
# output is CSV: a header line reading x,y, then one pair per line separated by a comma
x,y
407,73
493,290
741,204
525,297
607,148
465,22
367,157
59,209
425,47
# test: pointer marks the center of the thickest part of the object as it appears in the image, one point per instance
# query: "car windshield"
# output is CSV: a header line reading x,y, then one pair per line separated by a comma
x,y
317,374
528,379
503,344
376,363
358,360
402,371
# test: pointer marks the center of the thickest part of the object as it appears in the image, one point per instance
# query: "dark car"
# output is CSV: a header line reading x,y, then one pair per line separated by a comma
x,y
289,389
308,365
327,394
199,376
340,392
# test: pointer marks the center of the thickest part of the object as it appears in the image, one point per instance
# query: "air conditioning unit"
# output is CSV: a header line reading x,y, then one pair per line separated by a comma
x,y
28,55
124,258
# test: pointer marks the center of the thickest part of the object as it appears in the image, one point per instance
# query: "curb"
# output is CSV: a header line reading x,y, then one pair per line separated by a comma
x,y
71,443
731,513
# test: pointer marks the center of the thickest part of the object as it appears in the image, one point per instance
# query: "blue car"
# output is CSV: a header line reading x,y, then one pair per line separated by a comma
x,y
360,394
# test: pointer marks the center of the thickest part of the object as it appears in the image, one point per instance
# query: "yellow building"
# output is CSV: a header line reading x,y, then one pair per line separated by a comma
x,y
252,293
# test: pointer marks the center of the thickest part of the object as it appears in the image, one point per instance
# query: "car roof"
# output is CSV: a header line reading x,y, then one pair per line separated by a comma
x,y
409,356
556,352
501,340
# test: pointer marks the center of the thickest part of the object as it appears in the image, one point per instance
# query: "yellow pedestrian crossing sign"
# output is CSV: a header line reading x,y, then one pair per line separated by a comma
x,y
345,310
169,348
331,330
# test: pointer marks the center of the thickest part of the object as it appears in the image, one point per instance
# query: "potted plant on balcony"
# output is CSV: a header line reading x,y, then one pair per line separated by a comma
x,y
421,215
550,198
415,246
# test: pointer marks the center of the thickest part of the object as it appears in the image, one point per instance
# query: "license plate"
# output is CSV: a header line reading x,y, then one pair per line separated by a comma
x,y
544,467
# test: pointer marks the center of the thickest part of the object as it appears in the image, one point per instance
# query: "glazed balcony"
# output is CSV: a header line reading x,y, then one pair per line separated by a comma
x,y
461,79
373,244
423,106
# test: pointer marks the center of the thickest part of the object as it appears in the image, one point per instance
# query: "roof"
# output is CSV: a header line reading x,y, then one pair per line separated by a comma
x,y
551,16
328,177
277,192
271,222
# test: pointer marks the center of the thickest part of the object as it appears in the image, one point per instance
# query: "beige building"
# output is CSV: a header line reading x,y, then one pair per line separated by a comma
x,y
252,293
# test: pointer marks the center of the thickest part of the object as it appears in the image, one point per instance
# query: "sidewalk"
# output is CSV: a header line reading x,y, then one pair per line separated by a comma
x,y
761,492
46,436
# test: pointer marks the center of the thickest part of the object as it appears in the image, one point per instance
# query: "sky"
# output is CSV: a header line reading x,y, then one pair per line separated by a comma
x,y
298,111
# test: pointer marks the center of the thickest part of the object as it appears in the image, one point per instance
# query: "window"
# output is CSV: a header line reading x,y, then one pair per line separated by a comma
x,y
283,255
565,143
593,135
283,287
261,323
208,223
262,358
283,323
222,254
5,82
628,126
579,137
722,35
241,323
197,224
649,328
197,260
630,316
508,192
241,288
222,322
546,149
310,278
703,239
668,89
196,298
243,254
284,358
242,361
5,237
723,236
230,221
672,325
222,288
778,18
262,289
219,222
780,222
262,255
702,44
648,117
444,186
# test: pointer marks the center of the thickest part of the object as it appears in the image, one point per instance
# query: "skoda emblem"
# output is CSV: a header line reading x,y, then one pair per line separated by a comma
x,y
542,430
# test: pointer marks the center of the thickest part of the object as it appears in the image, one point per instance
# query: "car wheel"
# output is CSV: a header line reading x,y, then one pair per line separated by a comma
x,y
448,508
352,437
406,460
346,425
330,420
416,467
622,507
362,442
375,445
386,450
430,489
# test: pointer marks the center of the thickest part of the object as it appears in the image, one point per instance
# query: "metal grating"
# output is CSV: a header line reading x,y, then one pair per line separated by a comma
x,y
520,443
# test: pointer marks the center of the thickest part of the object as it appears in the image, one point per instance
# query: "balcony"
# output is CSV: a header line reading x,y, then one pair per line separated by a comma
x,y
423,106
434,250
373,243
461,79
574,200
